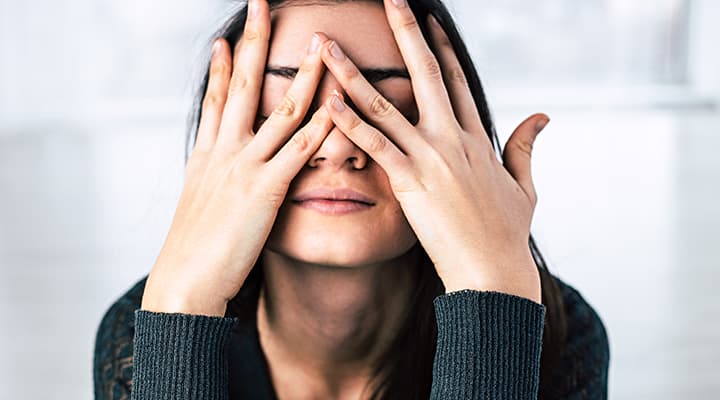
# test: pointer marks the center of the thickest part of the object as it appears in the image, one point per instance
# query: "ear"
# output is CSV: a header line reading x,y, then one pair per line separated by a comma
x,y
518,150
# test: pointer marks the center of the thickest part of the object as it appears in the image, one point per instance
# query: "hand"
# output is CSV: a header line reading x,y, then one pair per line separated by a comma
x,y
471,213
235,179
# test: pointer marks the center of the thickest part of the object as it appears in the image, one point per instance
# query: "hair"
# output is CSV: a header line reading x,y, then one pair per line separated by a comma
x,y
405,371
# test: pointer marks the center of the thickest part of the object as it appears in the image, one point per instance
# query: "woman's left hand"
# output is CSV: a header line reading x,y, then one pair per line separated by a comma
x,y
471,214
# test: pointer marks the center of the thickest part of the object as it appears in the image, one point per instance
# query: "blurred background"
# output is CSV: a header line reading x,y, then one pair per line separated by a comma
x,y
94,96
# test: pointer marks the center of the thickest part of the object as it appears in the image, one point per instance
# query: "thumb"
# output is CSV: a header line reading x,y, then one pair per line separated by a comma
x,y
518,149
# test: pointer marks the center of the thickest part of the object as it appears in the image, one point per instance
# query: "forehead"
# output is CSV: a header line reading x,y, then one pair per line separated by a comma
x,y
360,27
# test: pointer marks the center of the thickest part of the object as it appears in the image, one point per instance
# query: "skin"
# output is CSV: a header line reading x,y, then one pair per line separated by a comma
x,y
336,286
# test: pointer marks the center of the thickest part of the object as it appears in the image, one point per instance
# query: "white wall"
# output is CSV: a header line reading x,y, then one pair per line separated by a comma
x,y
93,103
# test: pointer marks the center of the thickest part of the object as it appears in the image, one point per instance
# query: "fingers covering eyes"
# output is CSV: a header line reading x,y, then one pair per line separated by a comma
x,y
215,96
461,98
424,69
292,108
247,76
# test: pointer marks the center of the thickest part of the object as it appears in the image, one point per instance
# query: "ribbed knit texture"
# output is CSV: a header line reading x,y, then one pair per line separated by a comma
x,y
488,346
180,356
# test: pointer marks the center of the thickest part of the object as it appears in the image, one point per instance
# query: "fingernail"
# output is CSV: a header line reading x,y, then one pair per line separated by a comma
x,y
314,43
337,104
252,9
215,48
336,52
399,3
540,125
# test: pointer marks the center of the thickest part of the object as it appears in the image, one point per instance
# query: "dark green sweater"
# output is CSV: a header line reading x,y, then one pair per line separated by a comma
x,y
488,347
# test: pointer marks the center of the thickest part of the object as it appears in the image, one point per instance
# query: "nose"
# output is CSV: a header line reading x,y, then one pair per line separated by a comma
x,y
336,151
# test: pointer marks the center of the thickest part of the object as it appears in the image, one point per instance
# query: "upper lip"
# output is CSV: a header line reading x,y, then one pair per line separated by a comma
x,y
334,194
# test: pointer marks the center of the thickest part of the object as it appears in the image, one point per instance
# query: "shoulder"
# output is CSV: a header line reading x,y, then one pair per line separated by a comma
x,y
112,364
585,354
585,327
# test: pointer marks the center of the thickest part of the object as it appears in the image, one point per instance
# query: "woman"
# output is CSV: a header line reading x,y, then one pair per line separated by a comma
x,y
346,230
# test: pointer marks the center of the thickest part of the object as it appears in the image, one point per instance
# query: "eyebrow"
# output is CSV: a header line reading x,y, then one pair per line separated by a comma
x,y
371,74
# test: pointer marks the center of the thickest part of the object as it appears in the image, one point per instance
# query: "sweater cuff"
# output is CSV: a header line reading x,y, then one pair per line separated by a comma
x,y
488,346
180,356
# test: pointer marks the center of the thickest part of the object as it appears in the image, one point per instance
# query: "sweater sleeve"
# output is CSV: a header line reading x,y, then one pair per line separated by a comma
x,y
180,356
488,346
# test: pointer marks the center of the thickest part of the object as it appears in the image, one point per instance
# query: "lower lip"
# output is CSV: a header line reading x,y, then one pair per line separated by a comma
x,y
334,207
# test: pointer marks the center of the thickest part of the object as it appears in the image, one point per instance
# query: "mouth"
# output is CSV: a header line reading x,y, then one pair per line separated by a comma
x,y
333,206
334,201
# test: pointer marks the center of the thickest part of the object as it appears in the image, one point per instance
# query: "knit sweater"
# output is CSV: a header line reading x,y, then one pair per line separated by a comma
x,y
488,347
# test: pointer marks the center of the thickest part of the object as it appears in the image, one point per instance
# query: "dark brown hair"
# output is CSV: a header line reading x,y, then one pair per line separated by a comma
x,y
405,371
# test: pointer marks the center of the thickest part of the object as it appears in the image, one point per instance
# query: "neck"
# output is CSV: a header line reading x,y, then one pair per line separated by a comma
x,y
331,323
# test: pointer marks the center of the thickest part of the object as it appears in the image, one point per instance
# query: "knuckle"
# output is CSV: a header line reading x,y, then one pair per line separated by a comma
x,y
354,124
287,106
238,82
458,76
431,67
351,72
302,140
523,146
306,67
218,69
252,34
408,22
376,142
213,99
444,41
380,107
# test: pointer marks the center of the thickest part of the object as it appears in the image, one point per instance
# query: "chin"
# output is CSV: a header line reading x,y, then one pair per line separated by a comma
x,y
340,249
353,240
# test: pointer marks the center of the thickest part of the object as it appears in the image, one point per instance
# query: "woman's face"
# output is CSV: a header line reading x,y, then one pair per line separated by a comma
x,y
375,234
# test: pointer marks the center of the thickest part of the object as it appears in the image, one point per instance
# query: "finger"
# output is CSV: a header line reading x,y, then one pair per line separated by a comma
x,y
461,98
426,75
246,81
368,100
286,117
301,146
518,151
369,139
215,96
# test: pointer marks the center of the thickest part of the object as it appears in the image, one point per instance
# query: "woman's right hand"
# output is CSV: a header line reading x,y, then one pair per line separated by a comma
x,y
235,179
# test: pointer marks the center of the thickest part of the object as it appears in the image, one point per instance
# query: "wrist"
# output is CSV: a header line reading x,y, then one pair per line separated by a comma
x,y
516,275
170,301
183,305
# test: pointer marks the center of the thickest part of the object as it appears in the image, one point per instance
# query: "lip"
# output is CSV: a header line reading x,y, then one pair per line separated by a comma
x,y
339,194
334,201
